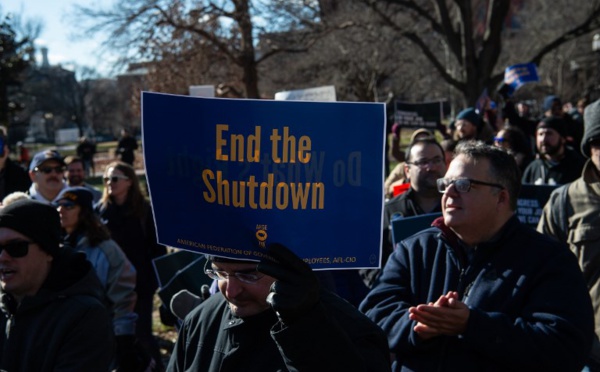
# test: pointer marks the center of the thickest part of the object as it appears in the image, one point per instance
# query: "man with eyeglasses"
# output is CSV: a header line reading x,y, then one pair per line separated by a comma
x,y
272,315
54,318
424,165
480,291
572,215
46,171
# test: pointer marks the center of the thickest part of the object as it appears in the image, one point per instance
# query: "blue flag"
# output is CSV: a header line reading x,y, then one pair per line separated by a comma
x,y
517,75
227,177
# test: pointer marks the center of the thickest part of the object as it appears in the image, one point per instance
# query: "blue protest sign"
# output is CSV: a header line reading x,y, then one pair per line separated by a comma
x,y
517,75
227,177
403,227
531,201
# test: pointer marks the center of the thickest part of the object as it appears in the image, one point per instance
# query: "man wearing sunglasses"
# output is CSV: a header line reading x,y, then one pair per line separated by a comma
x,y
480,291
47,176
273,316
54,317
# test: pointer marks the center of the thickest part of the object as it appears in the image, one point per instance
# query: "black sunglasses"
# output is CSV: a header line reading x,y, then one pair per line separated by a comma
x,y
16,248
48,170
115,179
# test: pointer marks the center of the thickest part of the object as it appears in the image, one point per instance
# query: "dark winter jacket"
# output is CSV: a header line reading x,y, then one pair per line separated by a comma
x,y
13,178
333,336
529,306
542,172
64,327
137,238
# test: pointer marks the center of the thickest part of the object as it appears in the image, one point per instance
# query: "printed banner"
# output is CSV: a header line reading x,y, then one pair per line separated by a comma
x,y
418,115
517,75
531,201
320,94
227,177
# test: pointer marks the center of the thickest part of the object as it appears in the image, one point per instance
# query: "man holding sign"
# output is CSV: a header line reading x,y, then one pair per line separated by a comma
x,y
273,316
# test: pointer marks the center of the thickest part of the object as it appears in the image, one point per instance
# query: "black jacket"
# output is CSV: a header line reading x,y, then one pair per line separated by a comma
x,y
13,178
542,172
333,336
64,327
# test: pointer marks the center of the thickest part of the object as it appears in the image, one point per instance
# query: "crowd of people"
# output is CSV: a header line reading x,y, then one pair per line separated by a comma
x,y
478,290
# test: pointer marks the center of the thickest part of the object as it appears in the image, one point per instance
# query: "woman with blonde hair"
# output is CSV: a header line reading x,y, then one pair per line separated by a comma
x,y
128,216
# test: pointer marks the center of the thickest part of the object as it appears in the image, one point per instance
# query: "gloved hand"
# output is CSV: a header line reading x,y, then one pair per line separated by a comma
x,y
185,301
296,288
127,356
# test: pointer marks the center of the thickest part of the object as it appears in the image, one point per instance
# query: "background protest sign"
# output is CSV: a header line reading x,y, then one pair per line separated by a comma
x,y
418,115
403,227
516,76
531,201
320,94
227,177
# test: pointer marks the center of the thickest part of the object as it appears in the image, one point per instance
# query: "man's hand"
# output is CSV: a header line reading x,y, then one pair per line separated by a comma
x,y
447,316
296,288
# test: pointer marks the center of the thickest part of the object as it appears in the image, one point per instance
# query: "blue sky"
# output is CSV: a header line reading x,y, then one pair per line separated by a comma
x,y
57,33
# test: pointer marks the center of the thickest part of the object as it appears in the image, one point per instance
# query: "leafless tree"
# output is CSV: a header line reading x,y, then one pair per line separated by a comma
x,y
229,27
473,36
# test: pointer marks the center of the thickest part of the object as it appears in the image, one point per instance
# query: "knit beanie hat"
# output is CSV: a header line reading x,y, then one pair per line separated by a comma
x,y
38,221
591,121
470,115
548,101
555,123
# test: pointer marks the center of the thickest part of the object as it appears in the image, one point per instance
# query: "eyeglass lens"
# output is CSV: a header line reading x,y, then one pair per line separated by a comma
x,y
16,249
48,170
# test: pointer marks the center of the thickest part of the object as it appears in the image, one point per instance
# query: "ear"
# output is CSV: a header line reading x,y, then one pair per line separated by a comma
x,y
504,199
32,176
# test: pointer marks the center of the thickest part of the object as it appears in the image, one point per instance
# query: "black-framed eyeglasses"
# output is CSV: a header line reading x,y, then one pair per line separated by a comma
x,y
462,185
425,162
48,170
16,248
250,277
115,178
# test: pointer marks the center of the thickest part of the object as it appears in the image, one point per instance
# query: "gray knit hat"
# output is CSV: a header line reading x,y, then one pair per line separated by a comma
x,y
591,120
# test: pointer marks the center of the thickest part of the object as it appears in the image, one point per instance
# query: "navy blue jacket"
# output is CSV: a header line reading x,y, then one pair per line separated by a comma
x,y
529,305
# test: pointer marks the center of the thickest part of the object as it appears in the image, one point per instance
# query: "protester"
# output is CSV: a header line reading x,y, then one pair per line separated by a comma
x,y
129,219
84,232
572,215
24,157
76,174
55,319
553,108
398,176
513,140
479,290
46,173
12,176
274,317
471,126
557,164
86,150
126,147
424,165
